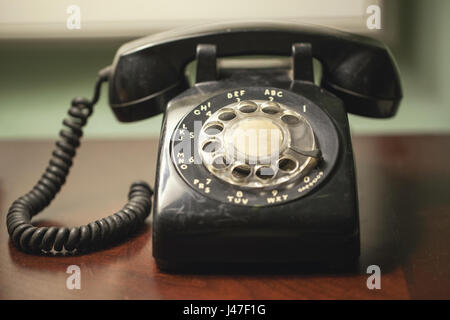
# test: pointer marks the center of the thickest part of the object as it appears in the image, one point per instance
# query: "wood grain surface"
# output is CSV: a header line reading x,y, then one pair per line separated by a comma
x,y
404,184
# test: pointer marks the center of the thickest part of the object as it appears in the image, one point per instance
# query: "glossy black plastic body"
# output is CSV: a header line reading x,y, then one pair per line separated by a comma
x,y
190,229
194,231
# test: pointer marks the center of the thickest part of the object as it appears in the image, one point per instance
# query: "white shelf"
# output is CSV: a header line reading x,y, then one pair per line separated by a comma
x,y
23,19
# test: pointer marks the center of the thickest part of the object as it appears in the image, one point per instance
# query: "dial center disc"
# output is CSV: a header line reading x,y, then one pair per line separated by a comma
x,y
253,143
257,137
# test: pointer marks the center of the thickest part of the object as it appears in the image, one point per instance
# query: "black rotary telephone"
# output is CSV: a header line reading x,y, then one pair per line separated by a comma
x,y
255,160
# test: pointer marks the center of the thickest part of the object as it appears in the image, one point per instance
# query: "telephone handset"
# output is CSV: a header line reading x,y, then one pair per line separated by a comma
x,y
255,160
150,71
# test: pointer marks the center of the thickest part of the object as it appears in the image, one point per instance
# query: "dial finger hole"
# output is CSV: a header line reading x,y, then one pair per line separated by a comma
x,y
211,146
248,107
227,115
271,108
265,173
241,171
290,119
213,129
220,162
287,164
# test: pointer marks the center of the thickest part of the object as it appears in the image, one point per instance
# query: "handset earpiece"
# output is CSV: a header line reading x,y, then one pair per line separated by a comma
x,y
366,79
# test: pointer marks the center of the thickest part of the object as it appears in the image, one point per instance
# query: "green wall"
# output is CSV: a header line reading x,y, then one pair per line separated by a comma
x,y
39,78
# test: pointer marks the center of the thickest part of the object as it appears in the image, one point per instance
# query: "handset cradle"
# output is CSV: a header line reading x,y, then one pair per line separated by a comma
x,y
149,72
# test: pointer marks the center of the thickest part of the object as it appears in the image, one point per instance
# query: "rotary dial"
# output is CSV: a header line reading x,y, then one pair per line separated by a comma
x,y
254,146
257,143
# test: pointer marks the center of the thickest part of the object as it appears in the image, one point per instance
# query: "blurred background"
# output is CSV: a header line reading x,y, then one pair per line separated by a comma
x,y
44,64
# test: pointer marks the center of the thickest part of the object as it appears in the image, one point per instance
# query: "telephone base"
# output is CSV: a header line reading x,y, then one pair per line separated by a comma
x,y
199,229
342,265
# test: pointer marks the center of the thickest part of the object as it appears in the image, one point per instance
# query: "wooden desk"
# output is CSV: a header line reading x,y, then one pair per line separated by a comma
x,y
404,192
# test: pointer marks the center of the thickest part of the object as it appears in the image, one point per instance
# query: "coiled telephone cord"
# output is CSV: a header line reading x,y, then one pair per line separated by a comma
x,y
95,235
